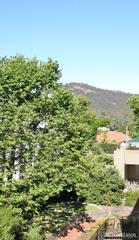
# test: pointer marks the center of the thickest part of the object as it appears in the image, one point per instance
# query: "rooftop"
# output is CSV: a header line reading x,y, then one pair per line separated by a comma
x,y
113,137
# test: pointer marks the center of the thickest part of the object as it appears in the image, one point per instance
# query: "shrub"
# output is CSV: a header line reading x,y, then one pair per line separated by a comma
x,y
10,224
102,183
131,198
108,147
33,234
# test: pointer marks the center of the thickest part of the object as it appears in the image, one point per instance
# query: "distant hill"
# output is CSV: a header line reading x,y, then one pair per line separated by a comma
x,y
103,102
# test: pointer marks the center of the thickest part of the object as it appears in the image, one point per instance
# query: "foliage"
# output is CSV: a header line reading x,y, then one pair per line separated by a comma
x,y
102,181
98,153
131,198
45,134
134,125
119,123
108,147
10,224
44,131
104,121
33,234
105,159
56,215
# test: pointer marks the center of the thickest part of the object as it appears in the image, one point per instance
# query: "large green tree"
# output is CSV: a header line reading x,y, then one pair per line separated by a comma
x,y
134,125
45,135
44,130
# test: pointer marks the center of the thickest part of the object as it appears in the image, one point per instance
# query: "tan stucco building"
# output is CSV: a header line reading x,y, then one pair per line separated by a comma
x,y
127,163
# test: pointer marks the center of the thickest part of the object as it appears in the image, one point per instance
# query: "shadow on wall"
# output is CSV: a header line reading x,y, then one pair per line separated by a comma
x,y
130,224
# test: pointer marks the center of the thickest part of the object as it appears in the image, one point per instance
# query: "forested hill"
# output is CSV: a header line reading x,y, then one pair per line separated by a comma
x,y
106,102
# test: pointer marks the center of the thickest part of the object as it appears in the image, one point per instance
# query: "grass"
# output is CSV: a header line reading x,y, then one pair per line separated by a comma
x,y
91,208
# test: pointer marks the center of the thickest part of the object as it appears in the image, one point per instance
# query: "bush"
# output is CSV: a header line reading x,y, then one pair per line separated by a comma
x,y
104,159
102,183
108,147
10,224
131,198
33,234
100,152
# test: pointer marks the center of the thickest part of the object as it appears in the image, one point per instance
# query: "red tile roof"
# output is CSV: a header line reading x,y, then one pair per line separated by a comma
x,y
112,137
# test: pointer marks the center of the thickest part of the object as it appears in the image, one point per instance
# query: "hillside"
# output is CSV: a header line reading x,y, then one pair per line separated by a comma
x,y
103,102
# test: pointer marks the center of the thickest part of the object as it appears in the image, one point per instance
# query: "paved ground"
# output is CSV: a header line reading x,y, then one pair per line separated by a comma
x,y
110,211
74,234
117,211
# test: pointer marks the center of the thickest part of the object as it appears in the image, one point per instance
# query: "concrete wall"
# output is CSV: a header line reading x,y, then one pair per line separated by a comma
x,y
124,157
119,162
131,157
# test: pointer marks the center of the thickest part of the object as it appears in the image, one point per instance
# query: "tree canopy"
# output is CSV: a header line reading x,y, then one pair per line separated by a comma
x,y
45,135
44,129
134,125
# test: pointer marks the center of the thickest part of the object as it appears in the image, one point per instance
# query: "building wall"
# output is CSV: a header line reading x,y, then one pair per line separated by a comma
x,y
124,157
119,162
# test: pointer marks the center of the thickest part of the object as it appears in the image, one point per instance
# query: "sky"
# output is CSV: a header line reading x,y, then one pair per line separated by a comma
x,y
94,41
